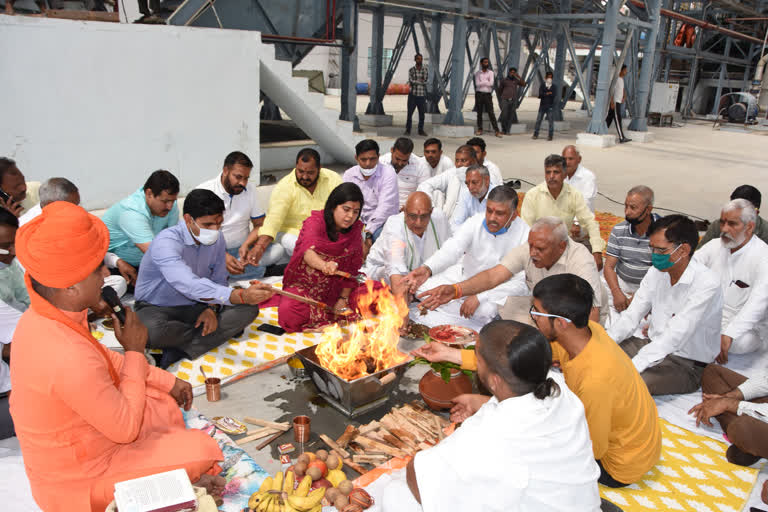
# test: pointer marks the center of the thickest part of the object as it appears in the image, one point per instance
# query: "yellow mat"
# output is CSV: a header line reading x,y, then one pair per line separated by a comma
x,y
692,475
252,352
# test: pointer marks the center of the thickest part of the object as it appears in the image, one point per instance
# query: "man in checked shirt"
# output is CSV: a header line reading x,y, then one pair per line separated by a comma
x,y
417,78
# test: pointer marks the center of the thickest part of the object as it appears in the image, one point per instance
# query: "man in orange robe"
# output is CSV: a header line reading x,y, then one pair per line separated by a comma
x,y
87,417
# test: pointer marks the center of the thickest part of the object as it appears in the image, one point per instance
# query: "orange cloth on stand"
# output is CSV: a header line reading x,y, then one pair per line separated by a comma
x,y
87,417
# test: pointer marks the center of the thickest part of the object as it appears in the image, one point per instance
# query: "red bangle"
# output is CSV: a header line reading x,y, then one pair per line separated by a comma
x,y
242,300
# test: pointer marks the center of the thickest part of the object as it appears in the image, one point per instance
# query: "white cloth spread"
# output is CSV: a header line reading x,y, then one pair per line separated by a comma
x,y
522,454
398,250
686,317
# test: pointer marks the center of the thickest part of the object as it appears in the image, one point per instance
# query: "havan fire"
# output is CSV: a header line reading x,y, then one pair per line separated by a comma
x,y
369,345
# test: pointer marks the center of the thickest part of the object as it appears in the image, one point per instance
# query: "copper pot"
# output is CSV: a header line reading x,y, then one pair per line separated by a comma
x,y
437,393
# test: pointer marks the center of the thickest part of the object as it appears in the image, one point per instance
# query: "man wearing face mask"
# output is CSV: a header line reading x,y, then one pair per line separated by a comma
x,y
181,292
628,257
546,102
687,304
479,244
741,261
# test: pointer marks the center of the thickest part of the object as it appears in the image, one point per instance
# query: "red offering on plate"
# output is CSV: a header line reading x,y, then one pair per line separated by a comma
x,y
453,335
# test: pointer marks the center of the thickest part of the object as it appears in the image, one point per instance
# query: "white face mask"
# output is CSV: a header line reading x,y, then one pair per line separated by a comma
x,y
207,236
3,265
368,172
548,81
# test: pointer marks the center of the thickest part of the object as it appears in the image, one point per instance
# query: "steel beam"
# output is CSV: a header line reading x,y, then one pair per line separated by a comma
x,y
435,87
375,105
721,78
639,123
349,64
610,28
579,73
456,99
559,73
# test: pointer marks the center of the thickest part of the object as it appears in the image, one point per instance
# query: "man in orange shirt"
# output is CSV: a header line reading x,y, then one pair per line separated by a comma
x,y
87,417
621,414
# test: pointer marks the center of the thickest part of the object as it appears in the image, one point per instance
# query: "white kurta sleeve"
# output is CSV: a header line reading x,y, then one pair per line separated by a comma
x,y
757,411
755,387
630,318
452,251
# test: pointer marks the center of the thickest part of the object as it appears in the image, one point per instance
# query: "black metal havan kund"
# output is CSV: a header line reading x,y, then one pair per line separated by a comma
x,y
352,397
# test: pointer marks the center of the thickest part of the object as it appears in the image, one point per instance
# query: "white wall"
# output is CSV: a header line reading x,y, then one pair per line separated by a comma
x,y
105,104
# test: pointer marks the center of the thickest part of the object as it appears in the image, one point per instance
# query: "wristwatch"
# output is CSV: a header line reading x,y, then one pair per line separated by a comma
x,y
215,308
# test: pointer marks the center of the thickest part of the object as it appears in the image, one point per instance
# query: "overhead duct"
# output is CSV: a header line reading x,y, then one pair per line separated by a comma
x,y
703,24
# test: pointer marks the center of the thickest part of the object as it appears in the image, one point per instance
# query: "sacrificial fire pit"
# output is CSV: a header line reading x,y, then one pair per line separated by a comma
x,y
357,366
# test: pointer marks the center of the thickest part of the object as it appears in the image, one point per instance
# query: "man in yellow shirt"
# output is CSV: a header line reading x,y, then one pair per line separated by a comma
x,y
556,198
292,200
622,416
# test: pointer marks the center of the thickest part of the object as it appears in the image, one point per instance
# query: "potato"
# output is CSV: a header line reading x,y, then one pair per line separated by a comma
x,y
303,458
331,495
322,455
341,502
332,461
315,472
300,469
346,487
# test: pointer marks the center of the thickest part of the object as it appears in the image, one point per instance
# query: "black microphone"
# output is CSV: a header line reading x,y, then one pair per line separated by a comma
x,y
110,297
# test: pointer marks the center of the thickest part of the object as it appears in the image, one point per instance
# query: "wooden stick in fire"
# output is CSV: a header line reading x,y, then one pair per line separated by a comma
x,y
306,300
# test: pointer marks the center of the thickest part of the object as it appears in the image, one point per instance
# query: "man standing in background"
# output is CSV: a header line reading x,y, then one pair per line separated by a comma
x,y
508,90
417,79
484,85
617,100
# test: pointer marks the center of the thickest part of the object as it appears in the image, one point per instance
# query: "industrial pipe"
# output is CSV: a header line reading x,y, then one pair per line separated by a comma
x,y
701,23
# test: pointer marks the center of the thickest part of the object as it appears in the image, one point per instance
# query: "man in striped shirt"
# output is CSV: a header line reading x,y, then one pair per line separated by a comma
x,y
628,256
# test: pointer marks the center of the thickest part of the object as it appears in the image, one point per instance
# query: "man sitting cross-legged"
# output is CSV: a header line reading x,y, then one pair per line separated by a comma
x,y
408,239
182,294
740,405
740,259
478,245
622,416
549,251
687,305
88,417
525,448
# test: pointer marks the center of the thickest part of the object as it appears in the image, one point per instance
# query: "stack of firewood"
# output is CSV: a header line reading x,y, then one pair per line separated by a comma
x,y
402,432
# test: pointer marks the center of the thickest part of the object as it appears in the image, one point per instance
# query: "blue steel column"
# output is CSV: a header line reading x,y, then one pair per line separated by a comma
x,y
515,40
645,81
456,100
433,90
610,28
559,77
349,64
377,53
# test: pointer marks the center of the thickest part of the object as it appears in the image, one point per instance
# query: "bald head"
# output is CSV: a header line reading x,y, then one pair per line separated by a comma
x,y
572,159
418,212
418,200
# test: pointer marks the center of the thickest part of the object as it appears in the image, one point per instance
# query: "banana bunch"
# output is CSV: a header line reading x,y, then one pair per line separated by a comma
x,y
278,495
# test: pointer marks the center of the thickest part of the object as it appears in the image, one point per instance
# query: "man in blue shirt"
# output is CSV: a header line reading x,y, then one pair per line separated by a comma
x,y
182,294
134,221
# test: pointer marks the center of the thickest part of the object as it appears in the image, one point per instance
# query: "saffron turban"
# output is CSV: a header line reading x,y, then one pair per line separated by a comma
x,y
63,245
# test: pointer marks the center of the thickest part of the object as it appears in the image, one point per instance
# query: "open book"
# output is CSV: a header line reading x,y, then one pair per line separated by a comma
x,y
164,492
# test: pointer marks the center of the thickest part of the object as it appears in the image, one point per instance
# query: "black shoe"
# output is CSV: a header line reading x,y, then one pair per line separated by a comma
x,y
170,356
422,133
549,137
535,136
622,141
740,458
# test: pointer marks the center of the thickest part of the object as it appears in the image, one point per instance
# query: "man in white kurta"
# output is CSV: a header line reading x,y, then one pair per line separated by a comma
x,y
473,195
579,177
434,159
479,244
526,448
740,259
407,240
444,188
411,172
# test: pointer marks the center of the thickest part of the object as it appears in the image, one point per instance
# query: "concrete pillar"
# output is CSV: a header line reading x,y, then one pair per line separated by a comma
x,y
349,64
456,100
433,89
377,53
723,72
610,28
645,80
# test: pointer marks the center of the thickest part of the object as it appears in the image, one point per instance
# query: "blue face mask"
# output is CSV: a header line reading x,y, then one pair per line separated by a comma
x,y
663,261
501,231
